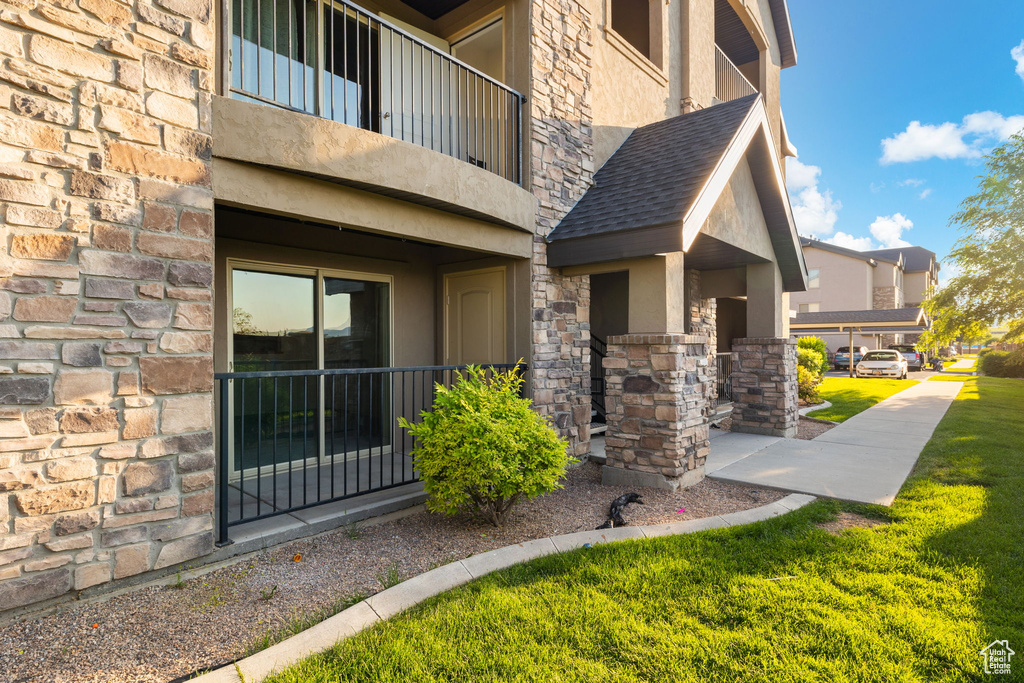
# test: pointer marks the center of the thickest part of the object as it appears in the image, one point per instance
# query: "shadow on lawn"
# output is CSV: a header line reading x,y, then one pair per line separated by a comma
x,y
886,604
987,462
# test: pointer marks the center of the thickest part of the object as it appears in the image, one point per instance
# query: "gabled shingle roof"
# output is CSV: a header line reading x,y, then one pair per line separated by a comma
x,y
852,253
657,173
918,259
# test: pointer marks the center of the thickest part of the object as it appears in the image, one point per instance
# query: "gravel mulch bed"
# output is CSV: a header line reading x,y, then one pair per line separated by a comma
x,y
157,634
808,429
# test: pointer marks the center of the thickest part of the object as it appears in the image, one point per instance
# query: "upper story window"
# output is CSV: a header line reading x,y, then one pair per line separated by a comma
x,y
810,308
638,22
813,278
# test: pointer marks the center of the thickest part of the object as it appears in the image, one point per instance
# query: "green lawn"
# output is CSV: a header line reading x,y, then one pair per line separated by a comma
x,y
781,600
850,396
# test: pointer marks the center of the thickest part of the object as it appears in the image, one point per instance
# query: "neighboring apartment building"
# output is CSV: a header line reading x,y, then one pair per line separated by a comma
x,y
329,204
841,279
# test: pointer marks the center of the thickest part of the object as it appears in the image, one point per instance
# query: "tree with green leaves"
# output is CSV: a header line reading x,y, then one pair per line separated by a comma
x,y
989,256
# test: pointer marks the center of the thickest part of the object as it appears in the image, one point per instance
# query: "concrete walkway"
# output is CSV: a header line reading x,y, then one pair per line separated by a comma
x,y
865,459
966,365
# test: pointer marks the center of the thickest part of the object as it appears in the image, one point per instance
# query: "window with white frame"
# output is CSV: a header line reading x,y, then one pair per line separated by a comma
x,y
813,278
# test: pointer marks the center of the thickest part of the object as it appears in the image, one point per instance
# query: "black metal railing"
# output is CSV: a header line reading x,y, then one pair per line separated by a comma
x,y
293,439
730,83
338,61
723,378
598,352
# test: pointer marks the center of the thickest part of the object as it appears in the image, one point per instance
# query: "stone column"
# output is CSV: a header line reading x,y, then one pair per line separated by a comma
x,y
106,377
560,169
656,396
764,387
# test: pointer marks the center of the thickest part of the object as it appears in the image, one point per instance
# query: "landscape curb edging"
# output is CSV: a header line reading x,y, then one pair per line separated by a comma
x,y
411,592
817,406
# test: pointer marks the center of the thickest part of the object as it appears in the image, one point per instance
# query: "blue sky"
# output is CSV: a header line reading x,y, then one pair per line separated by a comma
x,y
867,176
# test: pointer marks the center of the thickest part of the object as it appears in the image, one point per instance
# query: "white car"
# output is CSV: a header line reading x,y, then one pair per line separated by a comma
x,y
883,363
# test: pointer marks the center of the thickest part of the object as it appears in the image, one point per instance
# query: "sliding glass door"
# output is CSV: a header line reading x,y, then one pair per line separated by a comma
x,y
308,319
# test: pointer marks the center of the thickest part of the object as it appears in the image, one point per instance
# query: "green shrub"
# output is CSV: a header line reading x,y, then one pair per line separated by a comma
x,y
1002,364
811,360
482,448
984,351
815,344
807,385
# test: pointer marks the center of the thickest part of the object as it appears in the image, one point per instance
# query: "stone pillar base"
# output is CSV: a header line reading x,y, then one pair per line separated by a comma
x,y
656,395
764,388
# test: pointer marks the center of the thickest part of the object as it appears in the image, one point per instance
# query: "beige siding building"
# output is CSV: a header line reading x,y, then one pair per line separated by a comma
x,y
843,279
242,238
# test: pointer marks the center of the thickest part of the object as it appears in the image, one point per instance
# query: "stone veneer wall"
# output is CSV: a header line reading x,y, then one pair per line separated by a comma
x,y
764,387
657,401
883,298
704,320
561,169
106,372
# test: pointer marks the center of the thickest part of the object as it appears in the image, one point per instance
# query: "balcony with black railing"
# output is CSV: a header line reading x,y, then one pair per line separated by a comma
x,y
730,83
341,62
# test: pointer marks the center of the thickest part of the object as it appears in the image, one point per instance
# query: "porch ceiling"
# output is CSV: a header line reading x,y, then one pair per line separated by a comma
x,y
434,9
709,253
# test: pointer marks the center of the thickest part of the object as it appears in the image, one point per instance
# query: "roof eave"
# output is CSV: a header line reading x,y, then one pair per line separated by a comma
x,y
784,32
755,122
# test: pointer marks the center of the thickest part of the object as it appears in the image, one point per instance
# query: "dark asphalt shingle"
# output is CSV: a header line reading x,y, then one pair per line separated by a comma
x,y
657,173
917,259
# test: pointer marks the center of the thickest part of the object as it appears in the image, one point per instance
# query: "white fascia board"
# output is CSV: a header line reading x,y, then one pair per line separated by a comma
x,y
755,121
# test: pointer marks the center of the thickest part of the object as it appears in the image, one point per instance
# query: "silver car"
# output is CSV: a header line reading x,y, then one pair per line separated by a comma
x,y
883,363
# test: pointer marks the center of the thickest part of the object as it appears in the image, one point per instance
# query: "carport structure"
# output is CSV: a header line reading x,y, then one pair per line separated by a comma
x,y
874,322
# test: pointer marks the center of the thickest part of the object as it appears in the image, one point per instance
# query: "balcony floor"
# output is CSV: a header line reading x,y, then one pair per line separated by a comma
x,y
307,484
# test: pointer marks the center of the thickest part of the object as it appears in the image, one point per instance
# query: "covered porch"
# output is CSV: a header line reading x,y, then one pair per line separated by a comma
x,y
689,245
325,336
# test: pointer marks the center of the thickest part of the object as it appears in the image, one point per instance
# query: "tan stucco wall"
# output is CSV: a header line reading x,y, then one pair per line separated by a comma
x,y
885,275
846,283
697,22
737,218
915,287
289,194
628,90
767,310
278,138
771,68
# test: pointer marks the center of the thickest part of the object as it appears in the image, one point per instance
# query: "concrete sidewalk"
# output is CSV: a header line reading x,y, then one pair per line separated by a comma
x,y
865,459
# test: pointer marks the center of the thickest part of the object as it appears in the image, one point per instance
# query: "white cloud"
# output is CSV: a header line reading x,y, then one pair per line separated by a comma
x,y
814,211
1017,54
965,140
800,175
911,182
842,239
924,193
888,230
